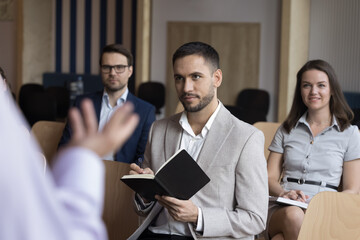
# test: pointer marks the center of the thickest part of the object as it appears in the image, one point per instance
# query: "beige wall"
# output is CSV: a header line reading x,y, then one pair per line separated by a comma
x,y
294,49
143,32
8,47
8,50
265,12
38,41
335,37
239,56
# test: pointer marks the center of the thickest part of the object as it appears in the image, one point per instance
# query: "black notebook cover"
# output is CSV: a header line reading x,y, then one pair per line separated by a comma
x,y
180,177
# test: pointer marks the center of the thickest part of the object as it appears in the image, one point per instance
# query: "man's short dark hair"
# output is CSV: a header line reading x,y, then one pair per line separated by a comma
x,y
117,48
198,48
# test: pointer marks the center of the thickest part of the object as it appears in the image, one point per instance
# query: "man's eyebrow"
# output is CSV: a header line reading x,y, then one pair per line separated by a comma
x,y
191,74
304,81
196,73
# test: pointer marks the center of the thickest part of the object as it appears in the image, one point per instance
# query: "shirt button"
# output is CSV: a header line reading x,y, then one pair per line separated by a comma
x,y
312,142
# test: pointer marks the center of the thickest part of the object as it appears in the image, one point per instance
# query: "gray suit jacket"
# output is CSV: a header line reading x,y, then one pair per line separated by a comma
x,y
235,202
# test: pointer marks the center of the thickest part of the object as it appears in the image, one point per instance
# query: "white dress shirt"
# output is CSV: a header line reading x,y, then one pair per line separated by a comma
x,y
107,111
165,224
64,204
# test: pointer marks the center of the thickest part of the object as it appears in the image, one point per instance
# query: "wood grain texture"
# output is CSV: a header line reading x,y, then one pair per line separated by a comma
x,y
332,215
119,214
48,134
269,130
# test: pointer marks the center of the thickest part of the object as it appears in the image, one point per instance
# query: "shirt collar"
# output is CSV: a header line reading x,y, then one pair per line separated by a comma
x,y
120,100
186,126
303,121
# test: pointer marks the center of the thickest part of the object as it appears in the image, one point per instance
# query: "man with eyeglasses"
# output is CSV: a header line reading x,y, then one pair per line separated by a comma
x,y
116,67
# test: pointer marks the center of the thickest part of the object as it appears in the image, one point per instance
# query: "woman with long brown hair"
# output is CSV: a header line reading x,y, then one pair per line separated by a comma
x,y
313,150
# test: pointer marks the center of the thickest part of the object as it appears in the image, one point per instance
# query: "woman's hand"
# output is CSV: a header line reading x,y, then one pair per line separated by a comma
x,y
296,195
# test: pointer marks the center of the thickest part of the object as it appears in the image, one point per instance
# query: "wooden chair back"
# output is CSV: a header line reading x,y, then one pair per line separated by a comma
x,y
48,134
269,130
179,108
119,215
332,215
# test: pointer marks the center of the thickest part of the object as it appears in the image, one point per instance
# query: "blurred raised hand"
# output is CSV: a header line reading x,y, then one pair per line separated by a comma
x,y
114,134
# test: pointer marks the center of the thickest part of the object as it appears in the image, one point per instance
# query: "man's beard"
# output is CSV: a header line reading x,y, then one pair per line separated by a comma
x,y
111,88
202,104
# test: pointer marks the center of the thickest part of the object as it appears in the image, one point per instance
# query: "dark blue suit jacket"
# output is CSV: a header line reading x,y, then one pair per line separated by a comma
x,y
133,150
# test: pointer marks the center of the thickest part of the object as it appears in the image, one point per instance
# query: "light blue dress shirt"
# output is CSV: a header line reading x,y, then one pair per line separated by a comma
x,y
107,111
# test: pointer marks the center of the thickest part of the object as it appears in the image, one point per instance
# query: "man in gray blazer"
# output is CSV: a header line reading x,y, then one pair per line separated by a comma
x,y
233,205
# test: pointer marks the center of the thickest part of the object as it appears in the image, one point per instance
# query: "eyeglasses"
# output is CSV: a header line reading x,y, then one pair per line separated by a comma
x,y
117,68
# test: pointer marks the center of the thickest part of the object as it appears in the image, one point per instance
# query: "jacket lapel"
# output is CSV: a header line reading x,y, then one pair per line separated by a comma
x,y
173,136
219,131
97,104
131,98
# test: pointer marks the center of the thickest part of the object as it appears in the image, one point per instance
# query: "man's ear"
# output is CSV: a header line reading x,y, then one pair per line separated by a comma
x,y
130,71
217,78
